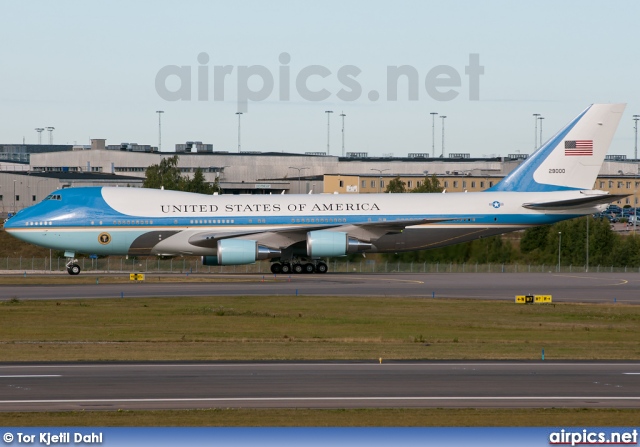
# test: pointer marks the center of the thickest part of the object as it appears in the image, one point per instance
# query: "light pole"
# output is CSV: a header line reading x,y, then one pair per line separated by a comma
x,y
299,170
588,216
433,134
540,118
559,248
328,112
159,112
443,117
50,130
535,132
239,115
343,115
635,152
39,130
380,171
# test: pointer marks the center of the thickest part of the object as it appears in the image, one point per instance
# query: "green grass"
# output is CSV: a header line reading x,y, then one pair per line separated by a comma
x,y
329,418
312,328
316,328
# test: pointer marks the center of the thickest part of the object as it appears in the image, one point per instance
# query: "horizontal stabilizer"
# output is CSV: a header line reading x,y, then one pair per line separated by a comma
x,y
582,202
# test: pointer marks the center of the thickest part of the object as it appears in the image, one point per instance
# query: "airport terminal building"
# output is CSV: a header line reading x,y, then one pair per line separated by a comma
x,y
33,171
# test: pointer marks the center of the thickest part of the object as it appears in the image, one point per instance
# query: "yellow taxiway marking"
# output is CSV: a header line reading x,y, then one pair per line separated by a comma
x,y
311,277
622,281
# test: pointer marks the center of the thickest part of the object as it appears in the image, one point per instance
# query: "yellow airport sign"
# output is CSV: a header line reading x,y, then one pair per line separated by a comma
x,y
533,299
136,276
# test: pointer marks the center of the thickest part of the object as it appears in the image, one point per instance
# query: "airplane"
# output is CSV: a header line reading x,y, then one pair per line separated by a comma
x,y
297,232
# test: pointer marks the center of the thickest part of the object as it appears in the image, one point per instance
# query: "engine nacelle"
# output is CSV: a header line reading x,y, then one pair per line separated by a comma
x,y
239,251
210,260
333,243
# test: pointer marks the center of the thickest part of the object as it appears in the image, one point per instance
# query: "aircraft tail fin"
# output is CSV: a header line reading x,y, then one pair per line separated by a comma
x,y
572,158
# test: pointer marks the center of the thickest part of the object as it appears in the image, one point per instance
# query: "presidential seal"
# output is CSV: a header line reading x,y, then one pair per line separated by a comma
x,y
104,238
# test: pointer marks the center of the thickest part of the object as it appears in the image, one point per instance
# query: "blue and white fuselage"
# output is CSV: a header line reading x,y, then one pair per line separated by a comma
x,y
552,185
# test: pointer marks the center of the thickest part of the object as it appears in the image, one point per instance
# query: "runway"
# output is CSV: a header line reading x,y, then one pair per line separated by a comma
x,y
108,386
319,385
564,287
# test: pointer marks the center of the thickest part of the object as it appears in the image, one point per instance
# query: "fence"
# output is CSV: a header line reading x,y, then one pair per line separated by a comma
x,y
194,265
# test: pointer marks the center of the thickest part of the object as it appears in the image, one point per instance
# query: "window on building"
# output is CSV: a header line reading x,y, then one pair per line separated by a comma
x,y
33,198
381,183
409,184
619,184
481,184
17,198
418,183
364,183
601,185
626,201
446,184
341,183
455,183
473,184
0,197
464,183
490,184
373,183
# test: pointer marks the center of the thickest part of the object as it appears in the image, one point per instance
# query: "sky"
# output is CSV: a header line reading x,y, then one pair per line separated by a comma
x,y
103,69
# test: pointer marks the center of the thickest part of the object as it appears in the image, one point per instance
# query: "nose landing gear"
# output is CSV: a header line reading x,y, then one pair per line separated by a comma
x,y
73,268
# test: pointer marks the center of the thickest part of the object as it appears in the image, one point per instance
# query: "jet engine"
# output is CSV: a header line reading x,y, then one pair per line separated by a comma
x,y
239,251
333,243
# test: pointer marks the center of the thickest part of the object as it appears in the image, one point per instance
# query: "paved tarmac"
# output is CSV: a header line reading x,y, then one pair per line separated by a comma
x,y
564,287
319,385
333,385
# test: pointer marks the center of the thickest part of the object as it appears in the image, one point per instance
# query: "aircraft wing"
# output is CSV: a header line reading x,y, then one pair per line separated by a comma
x,y
365,231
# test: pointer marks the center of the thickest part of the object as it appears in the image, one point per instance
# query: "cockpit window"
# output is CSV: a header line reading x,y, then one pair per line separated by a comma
x,y
53,197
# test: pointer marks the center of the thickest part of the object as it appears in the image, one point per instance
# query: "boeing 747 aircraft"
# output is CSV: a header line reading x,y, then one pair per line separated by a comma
x,y
296,232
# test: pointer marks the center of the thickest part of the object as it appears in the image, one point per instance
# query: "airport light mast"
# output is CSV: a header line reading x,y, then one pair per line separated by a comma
x,y
535,132
343,115
443,117
50,130
433,134
299,170
39,130
380,171
239,115
328,112
540,118
635,152
159,112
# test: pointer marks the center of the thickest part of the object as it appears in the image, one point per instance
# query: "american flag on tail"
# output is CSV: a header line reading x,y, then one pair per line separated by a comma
x,y
578,147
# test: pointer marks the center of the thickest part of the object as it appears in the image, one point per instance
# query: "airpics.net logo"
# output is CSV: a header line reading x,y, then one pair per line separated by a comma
x,y
254,83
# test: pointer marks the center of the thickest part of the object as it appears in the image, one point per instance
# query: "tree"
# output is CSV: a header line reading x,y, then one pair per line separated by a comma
x,y
430,184
197,184
396,186
166,174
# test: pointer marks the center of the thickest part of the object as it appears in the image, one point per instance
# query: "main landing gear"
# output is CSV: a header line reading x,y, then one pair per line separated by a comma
x,y
72,267
299,266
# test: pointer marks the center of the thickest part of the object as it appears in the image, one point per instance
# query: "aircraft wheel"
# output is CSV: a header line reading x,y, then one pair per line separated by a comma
x,y
297,268
309,268
276,268
286,268
321,267
74,269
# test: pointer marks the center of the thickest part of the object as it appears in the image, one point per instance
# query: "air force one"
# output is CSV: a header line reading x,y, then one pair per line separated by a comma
x,y
296,232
